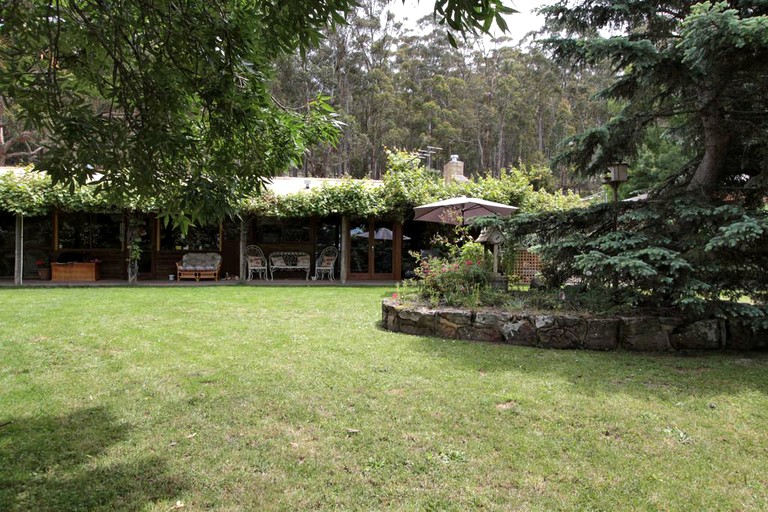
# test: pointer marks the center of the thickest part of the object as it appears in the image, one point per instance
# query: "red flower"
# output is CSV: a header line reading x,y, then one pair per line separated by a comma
x,y
394,295
469,262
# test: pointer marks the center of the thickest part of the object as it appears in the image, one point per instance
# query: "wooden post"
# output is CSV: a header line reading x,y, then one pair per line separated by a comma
x,y
18,268
243,245
344,253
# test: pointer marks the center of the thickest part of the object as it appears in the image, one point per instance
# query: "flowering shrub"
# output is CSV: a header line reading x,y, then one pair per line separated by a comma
x,y
461,280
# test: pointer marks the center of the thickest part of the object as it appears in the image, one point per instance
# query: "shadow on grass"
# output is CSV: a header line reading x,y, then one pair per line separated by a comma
x,y
53,463
591,372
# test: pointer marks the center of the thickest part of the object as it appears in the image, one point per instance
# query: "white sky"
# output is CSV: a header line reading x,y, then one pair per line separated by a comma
x,y
519,24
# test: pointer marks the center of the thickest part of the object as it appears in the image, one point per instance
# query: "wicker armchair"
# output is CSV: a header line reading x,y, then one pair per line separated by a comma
x,y
257,263
326,263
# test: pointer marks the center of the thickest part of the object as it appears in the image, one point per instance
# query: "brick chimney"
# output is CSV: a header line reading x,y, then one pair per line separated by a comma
x,y
454,170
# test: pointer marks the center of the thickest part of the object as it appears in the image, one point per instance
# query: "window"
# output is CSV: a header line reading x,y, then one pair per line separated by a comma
x,y
79,230
38,233
204,238
276,231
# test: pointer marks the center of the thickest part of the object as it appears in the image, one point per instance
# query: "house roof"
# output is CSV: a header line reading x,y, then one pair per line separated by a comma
x,y
283,186
19,171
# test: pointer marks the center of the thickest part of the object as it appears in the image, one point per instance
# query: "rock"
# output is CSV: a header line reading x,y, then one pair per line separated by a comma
x,y
447,323
519,332
417,321
643,333
491,318
477,333
602,334
704,334
742,337
544,322
557,338
456,317
389,316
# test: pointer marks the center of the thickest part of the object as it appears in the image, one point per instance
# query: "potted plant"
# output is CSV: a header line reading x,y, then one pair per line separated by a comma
x,y
43,269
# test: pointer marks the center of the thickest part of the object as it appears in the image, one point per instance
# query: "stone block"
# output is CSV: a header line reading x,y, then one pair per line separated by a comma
x,y
701,335
742,337
491,318
602,334
454,317
417,321
557,338
643,333
519,332
544,321
477,333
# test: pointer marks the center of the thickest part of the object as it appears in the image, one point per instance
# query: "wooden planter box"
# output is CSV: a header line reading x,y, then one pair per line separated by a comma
x,y
75,271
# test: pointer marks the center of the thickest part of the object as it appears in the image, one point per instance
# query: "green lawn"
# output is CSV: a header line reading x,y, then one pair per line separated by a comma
x,y
260,398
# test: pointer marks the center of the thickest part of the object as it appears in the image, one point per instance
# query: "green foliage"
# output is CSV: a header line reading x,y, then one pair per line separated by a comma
x,y
461,281
405,185
161,102
701,256
702,65
350,197
32,193
24,193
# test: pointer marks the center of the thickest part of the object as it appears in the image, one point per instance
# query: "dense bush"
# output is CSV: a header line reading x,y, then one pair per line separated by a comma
x,y
702,257
461,278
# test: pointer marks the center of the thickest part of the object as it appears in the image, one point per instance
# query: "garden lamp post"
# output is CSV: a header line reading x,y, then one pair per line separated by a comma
x,y
617,174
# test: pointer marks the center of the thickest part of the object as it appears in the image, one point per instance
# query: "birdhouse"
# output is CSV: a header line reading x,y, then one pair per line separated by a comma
x,y
491,235
495,237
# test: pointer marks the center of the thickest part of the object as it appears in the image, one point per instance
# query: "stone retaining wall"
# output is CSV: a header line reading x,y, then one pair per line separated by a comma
x,y
641,333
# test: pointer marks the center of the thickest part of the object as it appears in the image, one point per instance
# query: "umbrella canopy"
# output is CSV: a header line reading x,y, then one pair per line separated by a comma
x,y
379,234
460,210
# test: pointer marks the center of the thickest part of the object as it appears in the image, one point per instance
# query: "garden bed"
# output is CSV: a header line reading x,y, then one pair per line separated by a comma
x,y
571,331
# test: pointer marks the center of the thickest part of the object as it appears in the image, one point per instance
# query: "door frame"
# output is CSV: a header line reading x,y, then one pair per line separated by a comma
x,y
397,246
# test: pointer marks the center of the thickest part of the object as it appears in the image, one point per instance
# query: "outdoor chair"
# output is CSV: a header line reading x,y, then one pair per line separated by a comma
x,y
326,262
257,263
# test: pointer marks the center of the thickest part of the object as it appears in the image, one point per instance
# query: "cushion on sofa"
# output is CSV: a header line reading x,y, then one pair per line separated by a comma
x,y
201,261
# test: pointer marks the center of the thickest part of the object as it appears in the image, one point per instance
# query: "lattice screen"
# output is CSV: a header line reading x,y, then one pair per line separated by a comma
x,y
526,265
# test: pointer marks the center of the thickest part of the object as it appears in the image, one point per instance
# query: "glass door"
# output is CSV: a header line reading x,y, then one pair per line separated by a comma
x,y
371,250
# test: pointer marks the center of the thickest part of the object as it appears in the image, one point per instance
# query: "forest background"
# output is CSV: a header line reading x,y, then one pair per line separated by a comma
x,y
494,102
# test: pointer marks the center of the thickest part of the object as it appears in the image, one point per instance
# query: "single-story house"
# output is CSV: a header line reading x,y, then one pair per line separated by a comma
x,y
370,247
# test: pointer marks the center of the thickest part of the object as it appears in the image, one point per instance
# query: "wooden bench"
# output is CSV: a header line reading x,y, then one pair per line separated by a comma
x,y
291,261
199,265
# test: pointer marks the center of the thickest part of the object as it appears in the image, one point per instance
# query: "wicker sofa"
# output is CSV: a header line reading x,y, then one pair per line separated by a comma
x,y
199,265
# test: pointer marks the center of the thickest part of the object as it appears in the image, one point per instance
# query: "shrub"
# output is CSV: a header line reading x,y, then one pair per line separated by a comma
x,y
460,279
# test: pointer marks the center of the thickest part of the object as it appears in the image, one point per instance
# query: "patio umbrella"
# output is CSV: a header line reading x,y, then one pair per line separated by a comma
x,y
460,210
379,234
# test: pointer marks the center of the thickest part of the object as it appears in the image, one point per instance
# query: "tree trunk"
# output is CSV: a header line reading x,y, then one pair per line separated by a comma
x,y
716,139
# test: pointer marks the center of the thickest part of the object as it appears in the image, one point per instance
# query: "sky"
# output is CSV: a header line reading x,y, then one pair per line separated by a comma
x,y
519,24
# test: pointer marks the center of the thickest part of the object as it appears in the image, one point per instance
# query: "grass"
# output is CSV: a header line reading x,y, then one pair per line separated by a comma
x,y
259,398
